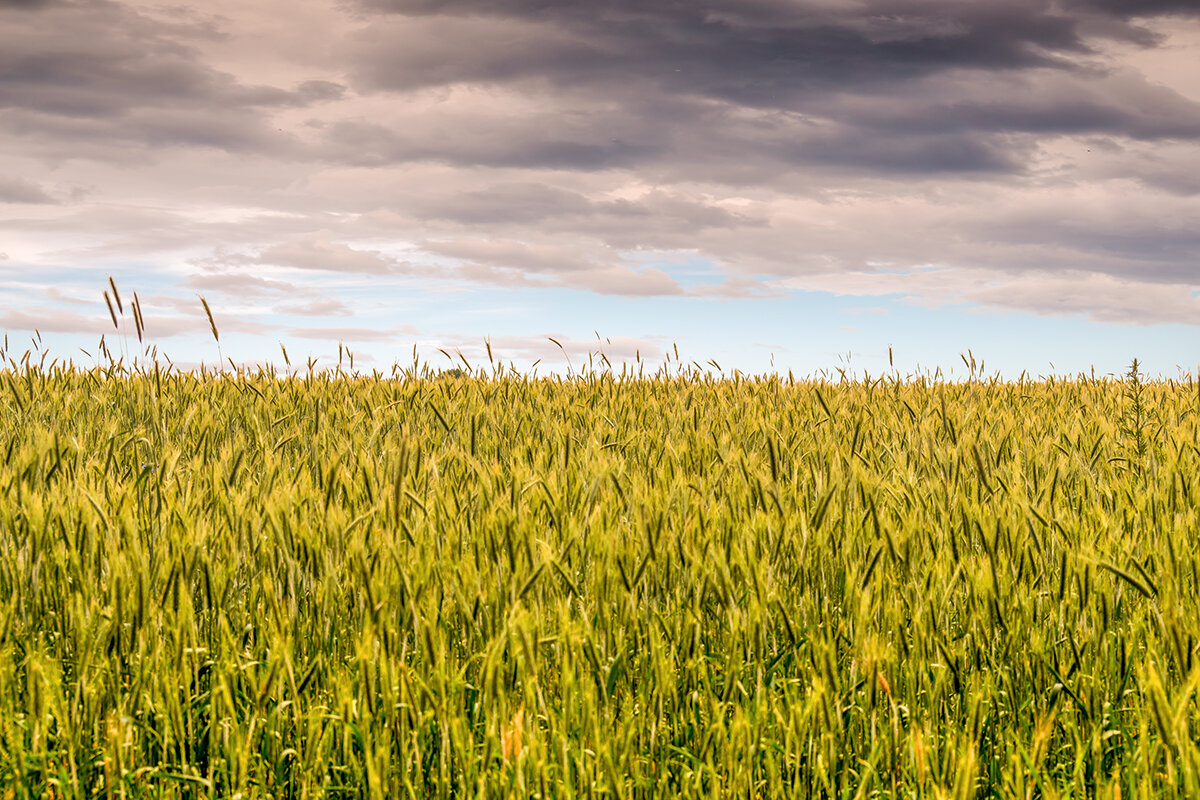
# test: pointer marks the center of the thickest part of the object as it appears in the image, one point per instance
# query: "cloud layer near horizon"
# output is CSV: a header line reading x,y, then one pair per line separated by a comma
x,y
1028,155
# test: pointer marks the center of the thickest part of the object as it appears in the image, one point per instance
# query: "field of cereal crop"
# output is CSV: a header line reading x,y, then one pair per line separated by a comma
x,y
660,585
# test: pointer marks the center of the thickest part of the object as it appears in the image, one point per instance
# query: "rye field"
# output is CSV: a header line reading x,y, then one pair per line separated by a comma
x,y
481,584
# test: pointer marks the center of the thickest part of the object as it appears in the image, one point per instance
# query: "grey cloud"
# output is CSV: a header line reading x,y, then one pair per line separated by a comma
x,y
553,142
936,153
103,59
696,143
750,53
675,209
902,19
735,92
319,92
1160,167
761,54
1126,243
1127,9
780,99
1115,104
1181,183
140,136
1102,298
497,262
319,253
623,281
104,75
99,231
505,203
16,190
148,222
524,203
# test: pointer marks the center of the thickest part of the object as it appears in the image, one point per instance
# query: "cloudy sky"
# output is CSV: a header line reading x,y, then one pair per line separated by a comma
x,y
770,184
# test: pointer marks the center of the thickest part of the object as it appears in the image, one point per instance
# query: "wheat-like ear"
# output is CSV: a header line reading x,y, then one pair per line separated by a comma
x,y
138,321
116,295
111,312
212,325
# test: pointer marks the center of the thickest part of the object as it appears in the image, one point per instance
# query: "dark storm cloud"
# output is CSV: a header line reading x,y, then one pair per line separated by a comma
x,y
767,54
761,55
1128,9
733,91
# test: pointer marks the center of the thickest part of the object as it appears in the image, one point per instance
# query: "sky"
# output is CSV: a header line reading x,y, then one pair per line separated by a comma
x,y
819,186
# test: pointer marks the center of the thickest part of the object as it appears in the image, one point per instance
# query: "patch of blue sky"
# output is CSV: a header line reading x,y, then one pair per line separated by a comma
x,y
807,332
811,332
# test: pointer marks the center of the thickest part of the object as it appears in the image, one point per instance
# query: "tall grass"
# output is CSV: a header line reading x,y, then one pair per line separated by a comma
x,y
330,585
